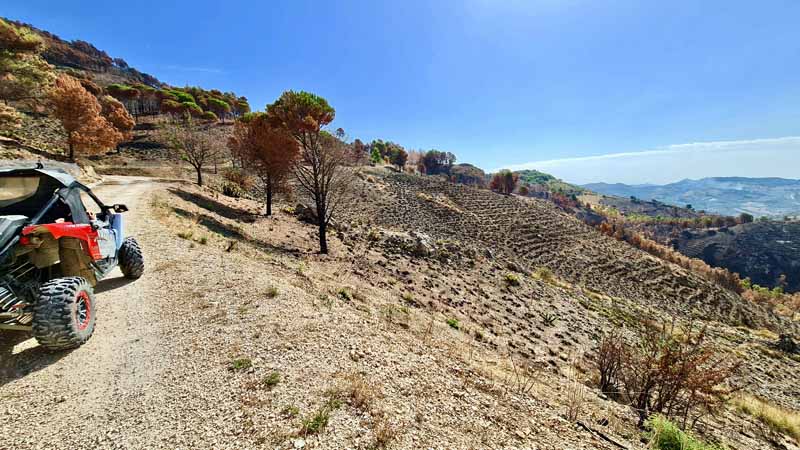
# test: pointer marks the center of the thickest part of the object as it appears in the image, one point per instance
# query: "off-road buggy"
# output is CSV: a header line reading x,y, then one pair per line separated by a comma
x,y
52,253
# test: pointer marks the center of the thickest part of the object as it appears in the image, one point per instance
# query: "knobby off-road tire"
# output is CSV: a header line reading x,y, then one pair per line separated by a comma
x,y
64,315
131,261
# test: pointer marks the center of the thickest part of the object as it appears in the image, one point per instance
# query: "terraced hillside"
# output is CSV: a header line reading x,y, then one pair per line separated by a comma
x,y
529,233
762,251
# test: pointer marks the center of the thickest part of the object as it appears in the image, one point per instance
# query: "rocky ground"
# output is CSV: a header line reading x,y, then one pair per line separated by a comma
x,y
241,336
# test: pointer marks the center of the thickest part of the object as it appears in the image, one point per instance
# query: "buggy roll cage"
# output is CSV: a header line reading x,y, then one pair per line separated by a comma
x,y
62,193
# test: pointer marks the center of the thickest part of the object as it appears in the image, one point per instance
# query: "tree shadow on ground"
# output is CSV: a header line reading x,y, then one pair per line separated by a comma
x,y
19,365
214,206
234,233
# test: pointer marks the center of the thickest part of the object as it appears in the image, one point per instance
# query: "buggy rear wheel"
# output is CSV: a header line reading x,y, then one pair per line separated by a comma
x,y
64,315
131,261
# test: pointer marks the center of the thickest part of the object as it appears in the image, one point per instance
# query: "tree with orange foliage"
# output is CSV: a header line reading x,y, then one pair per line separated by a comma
x,y
114,111
80,115
270,151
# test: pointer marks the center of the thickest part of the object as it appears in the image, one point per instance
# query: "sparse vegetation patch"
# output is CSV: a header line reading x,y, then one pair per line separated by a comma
x,y
511,279
240,364
776,418
271,380
665,435
271,292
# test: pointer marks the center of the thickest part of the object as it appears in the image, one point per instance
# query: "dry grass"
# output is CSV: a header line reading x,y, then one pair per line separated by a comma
x,y
544,274
358,392
576,393
522,379
384,433
776,418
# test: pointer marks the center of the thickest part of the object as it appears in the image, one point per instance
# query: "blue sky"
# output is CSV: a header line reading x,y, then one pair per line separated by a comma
x,y
499,83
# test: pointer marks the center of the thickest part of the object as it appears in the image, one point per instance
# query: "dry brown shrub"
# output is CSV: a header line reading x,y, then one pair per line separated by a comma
x,y
239,177
609,361
668,370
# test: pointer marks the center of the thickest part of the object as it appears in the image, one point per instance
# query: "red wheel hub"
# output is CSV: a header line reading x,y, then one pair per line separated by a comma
x,y
83,310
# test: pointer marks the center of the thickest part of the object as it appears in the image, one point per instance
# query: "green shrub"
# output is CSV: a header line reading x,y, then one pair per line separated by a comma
x,y
192,108
182,97
290,411
512,279
665,435
240,364
453,324
318,422
230,189
209,116
271,380
271,292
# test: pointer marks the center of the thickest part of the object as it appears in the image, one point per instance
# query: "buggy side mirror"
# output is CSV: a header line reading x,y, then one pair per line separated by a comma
x,y
119,208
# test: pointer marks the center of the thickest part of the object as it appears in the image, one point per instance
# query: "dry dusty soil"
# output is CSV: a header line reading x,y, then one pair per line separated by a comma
x,y
157,372
240,336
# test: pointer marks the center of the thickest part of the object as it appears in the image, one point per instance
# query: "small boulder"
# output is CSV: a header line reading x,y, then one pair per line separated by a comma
x,y
423,246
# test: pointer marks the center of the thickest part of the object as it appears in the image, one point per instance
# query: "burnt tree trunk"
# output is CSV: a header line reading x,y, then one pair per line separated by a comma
x,y
268,188
323,225
323,238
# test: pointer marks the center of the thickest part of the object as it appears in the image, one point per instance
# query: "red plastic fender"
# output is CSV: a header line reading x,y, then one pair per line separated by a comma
x,y
81,231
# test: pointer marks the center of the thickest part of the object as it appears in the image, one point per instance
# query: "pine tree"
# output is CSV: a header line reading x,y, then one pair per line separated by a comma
x,y
80,115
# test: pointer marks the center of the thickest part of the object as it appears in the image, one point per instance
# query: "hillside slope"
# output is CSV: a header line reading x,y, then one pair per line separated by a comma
x,y
532,232
240,335
762,251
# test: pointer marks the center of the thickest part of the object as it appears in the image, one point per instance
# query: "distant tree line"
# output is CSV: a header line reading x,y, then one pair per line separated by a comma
x,y
142,100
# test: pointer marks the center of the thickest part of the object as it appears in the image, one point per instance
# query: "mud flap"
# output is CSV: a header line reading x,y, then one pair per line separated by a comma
x,y
75,261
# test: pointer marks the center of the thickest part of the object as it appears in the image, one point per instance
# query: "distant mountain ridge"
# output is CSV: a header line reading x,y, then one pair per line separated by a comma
x,y
775,197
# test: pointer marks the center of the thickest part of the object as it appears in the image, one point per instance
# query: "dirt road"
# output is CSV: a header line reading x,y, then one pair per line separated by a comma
x,y
69,399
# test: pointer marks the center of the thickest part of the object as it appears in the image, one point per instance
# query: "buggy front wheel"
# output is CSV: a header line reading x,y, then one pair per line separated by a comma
x,y
131,261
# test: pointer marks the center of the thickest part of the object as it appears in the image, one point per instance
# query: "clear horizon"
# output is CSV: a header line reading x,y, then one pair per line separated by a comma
x,y
539,83
682,161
